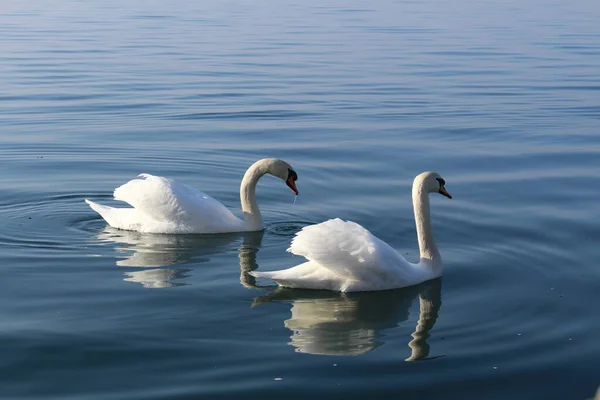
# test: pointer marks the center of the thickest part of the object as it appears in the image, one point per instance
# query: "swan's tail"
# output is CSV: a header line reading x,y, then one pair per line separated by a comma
x,y
115,217
308,275
258,274
99,208
275,276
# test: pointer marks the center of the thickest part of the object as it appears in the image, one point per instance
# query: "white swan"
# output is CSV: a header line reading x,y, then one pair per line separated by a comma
x,y
343,256
162,205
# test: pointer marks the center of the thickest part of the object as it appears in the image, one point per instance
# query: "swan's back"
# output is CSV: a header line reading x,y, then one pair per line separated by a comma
x,y
344,256
345,248
162,205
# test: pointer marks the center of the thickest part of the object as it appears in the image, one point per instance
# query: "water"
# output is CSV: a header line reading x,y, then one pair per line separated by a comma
x,y
501,98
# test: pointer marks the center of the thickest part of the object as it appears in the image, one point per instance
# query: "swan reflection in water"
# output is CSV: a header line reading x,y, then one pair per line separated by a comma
x,y
161,251
330,323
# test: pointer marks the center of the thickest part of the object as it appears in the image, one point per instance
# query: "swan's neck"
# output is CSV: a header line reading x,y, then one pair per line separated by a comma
x,y
252,217
430,256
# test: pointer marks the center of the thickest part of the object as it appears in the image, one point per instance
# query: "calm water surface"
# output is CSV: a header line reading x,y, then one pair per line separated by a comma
x,y
501,98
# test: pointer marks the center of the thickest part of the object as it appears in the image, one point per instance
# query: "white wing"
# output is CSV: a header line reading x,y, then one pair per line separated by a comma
x,y
162,205
350,251
344,256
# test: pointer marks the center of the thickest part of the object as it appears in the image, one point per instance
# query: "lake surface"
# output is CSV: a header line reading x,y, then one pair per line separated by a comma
x,y
501,98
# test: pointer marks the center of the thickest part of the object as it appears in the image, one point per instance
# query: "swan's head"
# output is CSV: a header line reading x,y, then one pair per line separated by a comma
x,y
433,183
283,171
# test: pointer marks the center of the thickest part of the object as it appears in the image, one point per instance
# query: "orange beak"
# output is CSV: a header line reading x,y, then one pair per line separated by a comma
x,y
445,192
292,185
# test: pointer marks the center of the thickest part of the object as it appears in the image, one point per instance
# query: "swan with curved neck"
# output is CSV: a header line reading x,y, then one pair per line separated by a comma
x,y
344,256
162,205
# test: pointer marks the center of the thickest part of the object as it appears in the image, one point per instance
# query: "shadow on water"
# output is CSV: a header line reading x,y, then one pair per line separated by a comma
x,y
325,323
331,323
247,255
161,251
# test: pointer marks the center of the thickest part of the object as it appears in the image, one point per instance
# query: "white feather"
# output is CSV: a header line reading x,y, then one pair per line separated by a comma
x,y
344,256
162,205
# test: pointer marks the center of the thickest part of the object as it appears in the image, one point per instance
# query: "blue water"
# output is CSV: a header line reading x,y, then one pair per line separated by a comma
x,y
501,98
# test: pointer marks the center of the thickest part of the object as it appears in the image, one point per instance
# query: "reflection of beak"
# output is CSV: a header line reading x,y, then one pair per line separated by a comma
x,y
292,185
444,192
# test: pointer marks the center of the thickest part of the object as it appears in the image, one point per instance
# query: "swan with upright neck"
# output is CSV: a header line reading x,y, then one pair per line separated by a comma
x,y
343,256
162,205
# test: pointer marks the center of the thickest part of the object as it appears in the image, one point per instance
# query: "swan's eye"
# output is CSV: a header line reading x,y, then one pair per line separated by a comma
x,y
441,181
